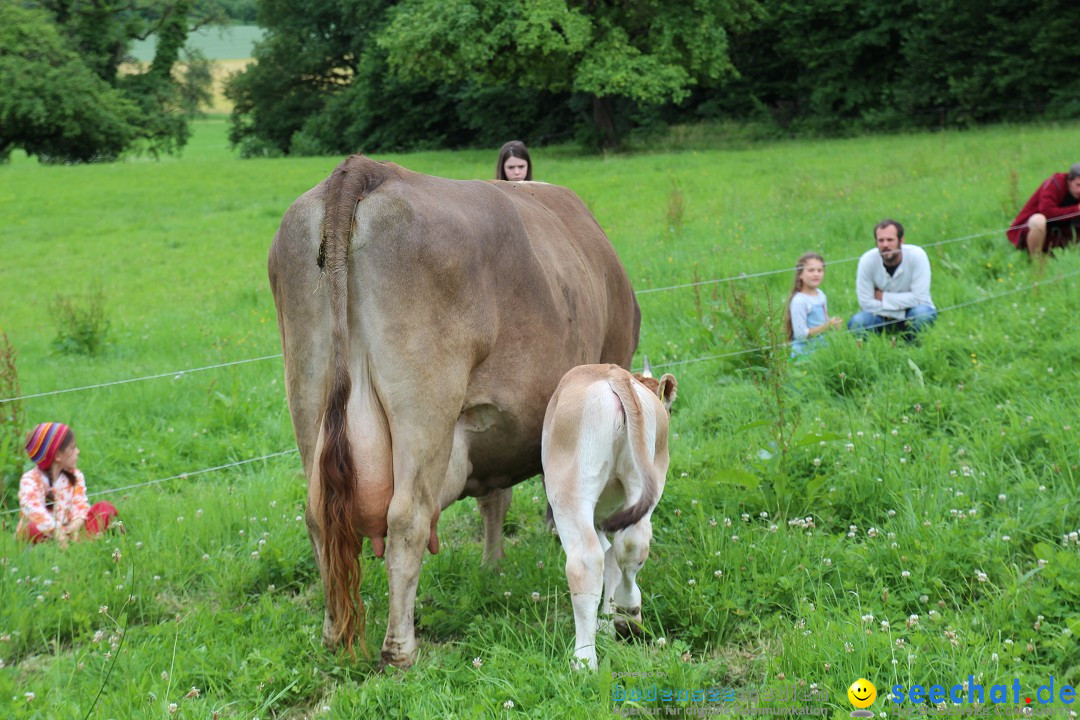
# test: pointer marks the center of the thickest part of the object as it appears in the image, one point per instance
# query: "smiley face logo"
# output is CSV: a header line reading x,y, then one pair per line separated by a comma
x,y
862,693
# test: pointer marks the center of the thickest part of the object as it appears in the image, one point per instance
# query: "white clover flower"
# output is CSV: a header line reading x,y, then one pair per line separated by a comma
x,y
872,532
536,596
103,610
718,573
477,663
868,618
661,641
29,696
508,704
905,574
173,707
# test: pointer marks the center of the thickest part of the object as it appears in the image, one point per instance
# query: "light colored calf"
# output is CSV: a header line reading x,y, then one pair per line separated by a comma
x,y
605,455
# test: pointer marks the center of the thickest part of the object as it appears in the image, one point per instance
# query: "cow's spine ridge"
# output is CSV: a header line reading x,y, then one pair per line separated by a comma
x,y
639,451
342,542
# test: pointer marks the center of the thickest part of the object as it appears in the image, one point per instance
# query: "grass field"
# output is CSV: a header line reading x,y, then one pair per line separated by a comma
x,y
893,512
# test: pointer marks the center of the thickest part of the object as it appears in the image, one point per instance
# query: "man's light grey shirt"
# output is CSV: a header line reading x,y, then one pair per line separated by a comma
x,y
907,287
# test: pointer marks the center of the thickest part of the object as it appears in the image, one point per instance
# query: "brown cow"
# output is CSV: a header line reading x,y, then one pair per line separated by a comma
x,y
425,323
605,455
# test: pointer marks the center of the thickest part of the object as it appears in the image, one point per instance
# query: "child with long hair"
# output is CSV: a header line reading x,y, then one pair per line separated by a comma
x,y
514,162
807,313
52,495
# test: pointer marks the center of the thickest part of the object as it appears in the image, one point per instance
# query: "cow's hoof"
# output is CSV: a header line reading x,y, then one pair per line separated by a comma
x,y
397,657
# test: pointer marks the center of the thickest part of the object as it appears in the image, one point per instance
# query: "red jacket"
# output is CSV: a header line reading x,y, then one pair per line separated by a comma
x,y
1052,200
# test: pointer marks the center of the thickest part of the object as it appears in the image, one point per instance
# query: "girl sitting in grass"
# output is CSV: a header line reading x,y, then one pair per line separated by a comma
x,y
52,496
807,313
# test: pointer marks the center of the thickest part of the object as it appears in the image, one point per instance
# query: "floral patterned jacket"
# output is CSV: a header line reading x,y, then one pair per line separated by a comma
x,y
69,503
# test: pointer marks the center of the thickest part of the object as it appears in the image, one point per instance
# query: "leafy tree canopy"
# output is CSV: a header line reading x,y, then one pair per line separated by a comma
x,y
66,96
650,51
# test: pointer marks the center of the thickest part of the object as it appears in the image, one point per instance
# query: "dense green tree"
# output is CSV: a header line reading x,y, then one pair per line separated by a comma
x,y
649,51
66,96
52,104
321,85
846,64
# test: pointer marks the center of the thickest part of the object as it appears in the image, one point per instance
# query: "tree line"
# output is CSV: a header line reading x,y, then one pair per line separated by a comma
x,y
337,76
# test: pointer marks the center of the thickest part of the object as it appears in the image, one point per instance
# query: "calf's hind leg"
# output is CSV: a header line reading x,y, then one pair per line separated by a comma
x,y
631,547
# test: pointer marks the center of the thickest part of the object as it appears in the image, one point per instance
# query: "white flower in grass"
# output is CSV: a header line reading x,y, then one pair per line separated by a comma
x,y
891,513
734,538
872,532
993,657
1005,538
29,696
103,610
661,641
509,704
477,663
849,648
980,576
718,573
691,581
868,618
905,574
164,675
884,624
192,693
536,596
173,707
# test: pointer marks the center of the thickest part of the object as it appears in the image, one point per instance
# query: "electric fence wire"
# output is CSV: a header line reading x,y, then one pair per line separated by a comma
x,y
733,278
676,363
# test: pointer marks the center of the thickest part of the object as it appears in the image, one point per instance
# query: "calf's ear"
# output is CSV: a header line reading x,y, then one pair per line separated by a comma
x,y
666,390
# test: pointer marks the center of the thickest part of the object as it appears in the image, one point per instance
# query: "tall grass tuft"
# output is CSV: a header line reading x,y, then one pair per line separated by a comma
x,y
12,423
81,325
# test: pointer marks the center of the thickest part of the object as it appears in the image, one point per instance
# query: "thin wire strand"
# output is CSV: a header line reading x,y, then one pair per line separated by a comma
x,y
181,476
947,308
176,373
764,273
715,281
957,306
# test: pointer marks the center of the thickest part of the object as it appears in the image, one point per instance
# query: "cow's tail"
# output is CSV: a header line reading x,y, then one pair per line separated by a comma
x,y
622,385
342,542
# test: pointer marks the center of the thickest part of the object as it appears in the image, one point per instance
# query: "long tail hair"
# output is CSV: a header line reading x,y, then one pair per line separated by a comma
x,y
800,264
342,543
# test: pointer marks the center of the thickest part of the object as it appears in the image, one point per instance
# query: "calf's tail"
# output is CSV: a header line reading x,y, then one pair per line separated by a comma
x,y
622,384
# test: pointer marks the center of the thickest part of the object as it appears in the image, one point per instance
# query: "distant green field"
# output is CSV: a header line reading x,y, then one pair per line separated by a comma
x,y
939,478
232,42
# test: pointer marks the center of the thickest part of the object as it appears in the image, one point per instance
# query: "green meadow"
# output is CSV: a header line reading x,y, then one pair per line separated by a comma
x,y
881,510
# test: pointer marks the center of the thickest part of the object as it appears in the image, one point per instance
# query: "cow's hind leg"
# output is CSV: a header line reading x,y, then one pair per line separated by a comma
x,y
420,466
631,547
493,509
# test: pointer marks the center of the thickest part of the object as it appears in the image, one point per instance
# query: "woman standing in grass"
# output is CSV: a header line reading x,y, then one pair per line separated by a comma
x,y
807,314
514,162
52,495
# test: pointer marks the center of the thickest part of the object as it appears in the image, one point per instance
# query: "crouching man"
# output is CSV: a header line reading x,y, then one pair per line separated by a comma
x,y
605,456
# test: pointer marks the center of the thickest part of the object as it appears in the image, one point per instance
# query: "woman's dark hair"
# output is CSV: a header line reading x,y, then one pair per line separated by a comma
x,y
513,149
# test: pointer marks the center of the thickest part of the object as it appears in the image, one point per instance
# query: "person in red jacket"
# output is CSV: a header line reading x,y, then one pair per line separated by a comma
x,y
1051,217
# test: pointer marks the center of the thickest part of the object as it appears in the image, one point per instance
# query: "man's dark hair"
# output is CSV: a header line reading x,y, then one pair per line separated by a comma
x,y
886,223
1074,172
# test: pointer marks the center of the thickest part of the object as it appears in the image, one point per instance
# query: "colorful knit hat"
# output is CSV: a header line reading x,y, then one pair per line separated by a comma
x,y
43,442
